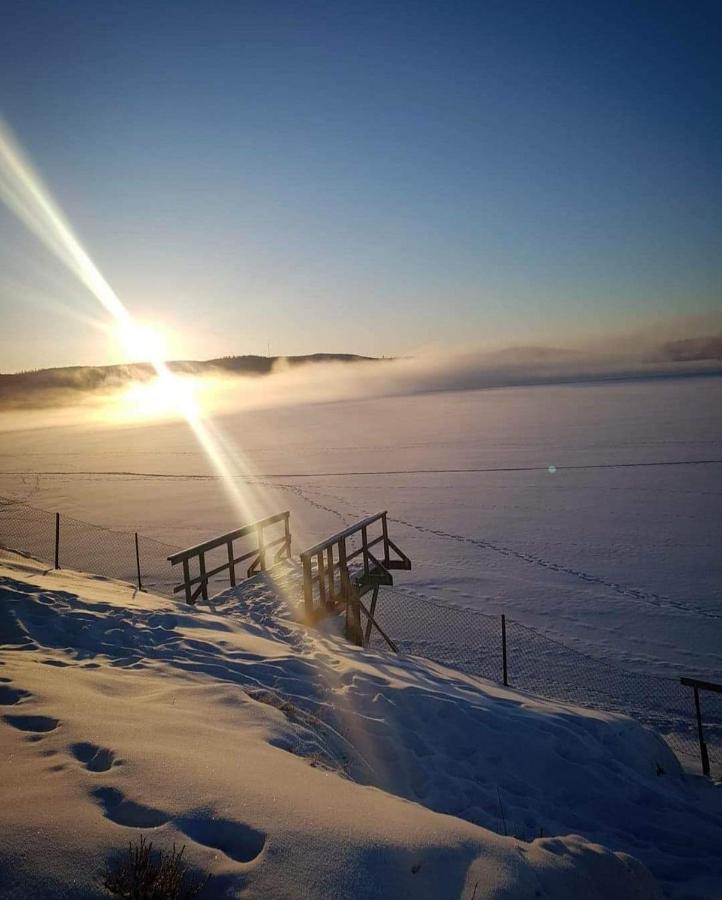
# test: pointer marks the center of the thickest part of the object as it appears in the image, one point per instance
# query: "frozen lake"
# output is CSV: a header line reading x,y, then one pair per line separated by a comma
x,y
591,512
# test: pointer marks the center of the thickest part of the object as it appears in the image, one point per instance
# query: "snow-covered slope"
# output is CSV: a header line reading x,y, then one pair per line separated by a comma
x,y
293,765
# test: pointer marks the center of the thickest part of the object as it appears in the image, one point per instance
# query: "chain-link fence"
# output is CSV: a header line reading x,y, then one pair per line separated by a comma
x,y
472,642
72,544
464,639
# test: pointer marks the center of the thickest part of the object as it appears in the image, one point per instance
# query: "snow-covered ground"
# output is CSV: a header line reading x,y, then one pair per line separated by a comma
x,y
291,764
615,553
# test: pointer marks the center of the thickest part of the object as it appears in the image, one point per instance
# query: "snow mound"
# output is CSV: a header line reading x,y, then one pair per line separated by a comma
x,y
293,765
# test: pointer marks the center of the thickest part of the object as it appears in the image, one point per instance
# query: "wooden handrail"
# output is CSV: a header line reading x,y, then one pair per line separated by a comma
x,y
328,565
258,554
340,535
224,538
702,685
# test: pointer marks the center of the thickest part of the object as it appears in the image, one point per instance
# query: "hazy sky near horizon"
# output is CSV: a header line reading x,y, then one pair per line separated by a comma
x,y
365,177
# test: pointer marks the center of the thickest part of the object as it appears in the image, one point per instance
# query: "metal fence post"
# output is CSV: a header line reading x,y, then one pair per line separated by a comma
x,y
57,540
702,746
137,562
503,648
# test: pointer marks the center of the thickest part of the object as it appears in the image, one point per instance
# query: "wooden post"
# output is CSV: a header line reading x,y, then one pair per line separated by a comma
x,y
700,734
307,588
321,579
331,576
354,631
204,580
231,564
261,548
364,545
385,530
343,569
187,580
287,525
503,648
369,621
344,582
137,562
380,630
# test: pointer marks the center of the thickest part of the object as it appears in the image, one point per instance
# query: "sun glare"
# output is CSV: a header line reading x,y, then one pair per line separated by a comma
x,y
24,193
159,398
142,342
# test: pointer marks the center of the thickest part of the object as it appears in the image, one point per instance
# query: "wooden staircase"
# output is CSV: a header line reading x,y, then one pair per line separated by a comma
x,y
336,577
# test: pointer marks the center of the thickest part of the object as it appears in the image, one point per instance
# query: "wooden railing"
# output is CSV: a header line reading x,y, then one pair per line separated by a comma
x,y
193,585
698,686
335,574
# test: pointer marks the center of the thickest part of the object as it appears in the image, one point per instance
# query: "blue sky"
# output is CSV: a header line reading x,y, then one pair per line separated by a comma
x,y
366,177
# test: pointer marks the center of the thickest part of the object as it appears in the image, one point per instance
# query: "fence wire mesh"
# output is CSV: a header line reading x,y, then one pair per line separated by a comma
x,y
86,547
463,639
471,641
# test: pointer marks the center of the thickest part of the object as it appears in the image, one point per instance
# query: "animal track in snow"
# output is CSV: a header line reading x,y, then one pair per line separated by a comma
x,y
94,758
119,809
9,696
36,724
238,841
623,590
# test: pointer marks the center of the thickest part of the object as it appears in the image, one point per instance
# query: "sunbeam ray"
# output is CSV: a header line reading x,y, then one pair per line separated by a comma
x,y
23,192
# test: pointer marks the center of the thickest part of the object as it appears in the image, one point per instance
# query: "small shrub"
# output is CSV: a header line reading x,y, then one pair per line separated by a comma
x,y
142,874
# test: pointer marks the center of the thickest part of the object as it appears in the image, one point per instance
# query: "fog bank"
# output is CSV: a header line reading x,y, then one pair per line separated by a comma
x,y
124,394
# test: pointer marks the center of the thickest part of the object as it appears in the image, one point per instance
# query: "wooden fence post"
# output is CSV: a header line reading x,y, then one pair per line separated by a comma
x,y
57,540
137,562
503,648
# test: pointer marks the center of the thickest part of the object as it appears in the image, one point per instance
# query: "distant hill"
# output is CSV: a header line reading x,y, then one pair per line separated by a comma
x,y
693,349
44,387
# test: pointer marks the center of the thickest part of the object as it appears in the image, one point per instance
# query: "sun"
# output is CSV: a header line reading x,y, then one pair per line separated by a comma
x,y
164,395
142,342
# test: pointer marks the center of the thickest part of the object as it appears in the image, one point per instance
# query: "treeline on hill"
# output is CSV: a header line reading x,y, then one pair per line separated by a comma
x,y
46,387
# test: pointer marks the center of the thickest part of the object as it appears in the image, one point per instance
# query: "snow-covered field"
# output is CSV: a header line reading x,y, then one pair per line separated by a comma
x,y
615,553
292,765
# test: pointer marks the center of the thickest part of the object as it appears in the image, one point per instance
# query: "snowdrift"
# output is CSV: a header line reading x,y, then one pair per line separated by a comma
x,y
292,765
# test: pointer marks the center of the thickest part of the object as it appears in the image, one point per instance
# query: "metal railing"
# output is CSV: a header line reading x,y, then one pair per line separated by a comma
x,y
194,585
698,686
